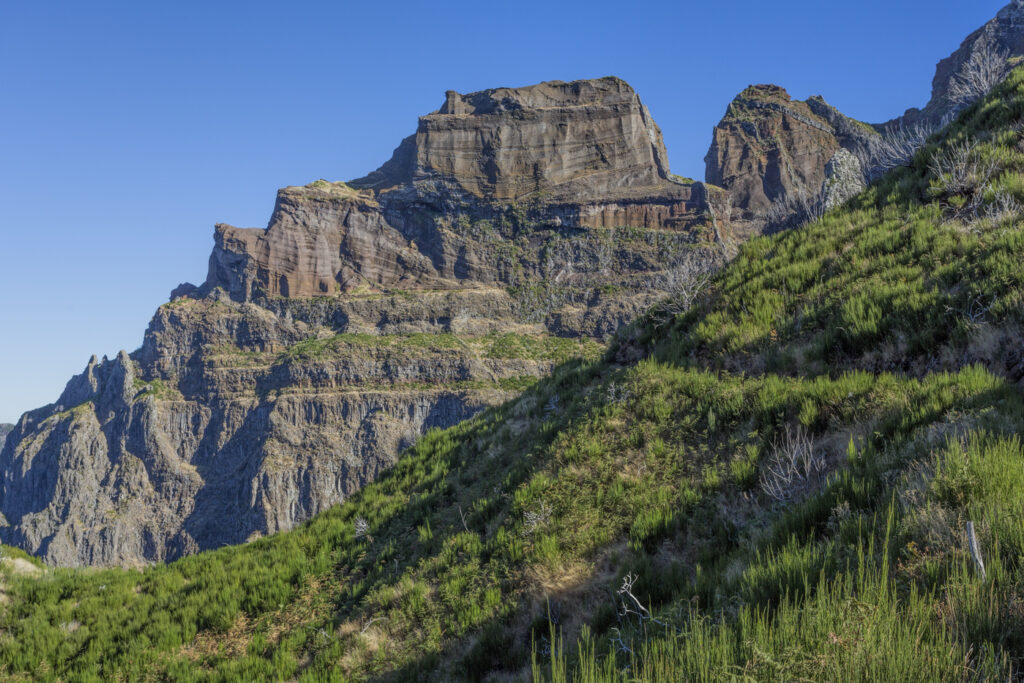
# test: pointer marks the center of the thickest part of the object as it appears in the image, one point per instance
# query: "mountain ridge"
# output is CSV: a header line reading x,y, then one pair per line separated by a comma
x,y
322,345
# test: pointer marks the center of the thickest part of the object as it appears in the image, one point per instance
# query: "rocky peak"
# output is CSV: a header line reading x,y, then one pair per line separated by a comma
x,y
1003,33
108,382
775,155
581,139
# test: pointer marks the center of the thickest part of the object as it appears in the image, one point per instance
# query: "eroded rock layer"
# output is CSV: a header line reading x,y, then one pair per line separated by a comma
x,y
585,140
567,156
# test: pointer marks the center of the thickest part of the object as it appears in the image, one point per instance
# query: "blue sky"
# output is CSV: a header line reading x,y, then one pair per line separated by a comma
x,y
127,129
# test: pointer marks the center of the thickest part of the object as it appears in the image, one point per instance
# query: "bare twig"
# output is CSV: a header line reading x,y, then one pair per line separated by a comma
x,y
977,309
534,519
796,209
1003,206
684,283
371,621
972,544
362,529
630,603
896,147
961,169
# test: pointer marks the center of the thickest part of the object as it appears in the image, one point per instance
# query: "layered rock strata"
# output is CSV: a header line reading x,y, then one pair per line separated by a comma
x,y
482,172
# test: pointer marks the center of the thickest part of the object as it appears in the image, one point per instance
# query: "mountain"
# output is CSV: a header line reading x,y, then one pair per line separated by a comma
x,y
785,161
490,248
516,228
5,429
809,469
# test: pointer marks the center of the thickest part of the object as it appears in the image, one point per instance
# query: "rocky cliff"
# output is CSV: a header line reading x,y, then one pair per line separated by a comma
x,y
777,156
5,429
517,229
479,175
580,141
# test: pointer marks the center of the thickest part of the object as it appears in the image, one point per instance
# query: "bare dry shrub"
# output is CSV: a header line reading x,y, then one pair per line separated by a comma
x,y
962,170
795,209
1004,206
685,282
536,518
985,69
794,466
896,147
362,528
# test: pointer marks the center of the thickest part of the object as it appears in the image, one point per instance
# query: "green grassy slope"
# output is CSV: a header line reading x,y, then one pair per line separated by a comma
x,y
879,347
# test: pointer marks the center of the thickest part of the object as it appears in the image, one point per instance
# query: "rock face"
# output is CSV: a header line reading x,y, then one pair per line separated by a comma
x,y
5,429
518,228
239,442
776,156
586,140
844,179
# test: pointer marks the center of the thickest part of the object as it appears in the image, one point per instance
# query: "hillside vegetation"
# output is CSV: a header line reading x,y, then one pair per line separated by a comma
x,y
772,485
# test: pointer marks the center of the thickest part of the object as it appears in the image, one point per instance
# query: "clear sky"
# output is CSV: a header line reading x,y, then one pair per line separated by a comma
x,y
127,129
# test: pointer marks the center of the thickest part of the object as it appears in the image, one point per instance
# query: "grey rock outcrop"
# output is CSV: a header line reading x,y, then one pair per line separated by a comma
x,y
514,222
844,179
5,429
